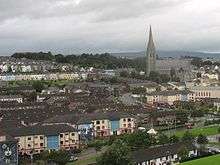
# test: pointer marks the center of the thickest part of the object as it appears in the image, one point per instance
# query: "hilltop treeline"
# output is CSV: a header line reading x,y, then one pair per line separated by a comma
x,y
198,62
104,60
34,55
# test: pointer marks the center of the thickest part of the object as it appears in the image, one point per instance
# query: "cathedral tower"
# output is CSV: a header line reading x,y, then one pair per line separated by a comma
x,y
151,55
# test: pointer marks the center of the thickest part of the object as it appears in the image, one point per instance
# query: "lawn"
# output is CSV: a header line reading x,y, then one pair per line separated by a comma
x,y
207,131
84,162
211,160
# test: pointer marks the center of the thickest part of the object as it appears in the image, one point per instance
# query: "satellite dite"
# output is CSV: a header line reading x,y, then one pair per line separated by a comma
x,y
8,150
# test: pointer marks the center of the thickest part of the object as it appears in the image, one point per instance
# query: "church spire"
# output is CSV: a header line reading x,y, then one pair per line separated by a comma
x,y
151,54
151,40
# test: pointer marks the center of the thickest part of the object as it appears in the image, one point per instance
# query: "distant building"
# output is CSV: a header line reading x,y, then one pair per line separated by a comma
x,y
151,55
217,104
169,97
10,98
202,92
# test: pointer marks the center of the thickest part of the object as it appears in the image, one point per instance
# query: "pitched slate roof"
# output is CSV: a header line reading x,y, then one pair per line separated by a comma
x,y
170,93
53,129
87,118
144,155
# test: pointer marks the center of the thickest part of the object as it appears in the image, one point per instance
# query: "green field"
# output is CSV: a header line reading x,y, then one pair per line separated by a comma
x,y
211,160
207,131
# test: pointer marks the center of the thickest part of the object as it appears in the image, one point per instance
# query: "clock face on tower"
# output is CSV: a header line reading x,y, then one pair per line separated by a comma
x,y
8,153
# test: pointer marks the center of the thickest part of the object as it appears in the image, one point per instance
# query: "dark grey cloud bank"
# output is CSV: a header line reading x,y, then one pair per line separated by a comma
x,y
76,26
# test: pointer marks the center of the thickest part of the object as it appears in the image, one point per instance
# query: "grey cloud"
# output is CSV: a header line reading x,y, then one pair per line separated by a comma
x,y
107,25
103,9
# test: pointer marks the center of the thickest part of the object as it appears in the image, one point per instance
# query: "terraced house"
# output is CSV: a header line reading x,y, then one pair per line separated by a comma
x,y
108,124
98,124
35,139
170,96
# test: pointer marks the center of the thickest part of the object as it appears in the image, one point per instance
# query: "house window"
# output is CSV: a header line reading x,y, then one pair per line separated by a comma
x,y
61,135
41,144
29,138
98,122
124,125
61,142
41,137
103,127
103,121
66,134
129,120
124,120
98,127
29,145
73,134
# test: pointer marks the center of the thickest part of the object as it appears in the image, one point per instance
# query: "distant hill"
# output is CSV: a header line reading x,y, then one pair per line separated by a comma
x,y
169,54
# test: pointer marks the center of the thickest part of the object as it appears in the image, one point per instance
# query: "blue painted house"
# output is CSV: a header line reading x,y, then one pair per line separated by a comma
x,y
114,125
53,142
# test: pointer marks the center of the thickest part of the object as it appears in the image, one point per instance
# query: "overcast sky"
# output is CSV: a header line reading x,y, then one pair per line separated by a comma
x,y
77,26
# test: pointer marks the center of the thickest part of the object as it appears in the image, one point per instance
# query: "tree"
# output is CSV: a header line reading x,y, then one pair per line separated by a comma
x,y
38,86
198,75
31,97
59,157
219,130
139,139
117,154
154,76
196,62
174,139
187,136
172,73
98,145
183,153
202,139
165,78
124,74
9,69
139,90
163,139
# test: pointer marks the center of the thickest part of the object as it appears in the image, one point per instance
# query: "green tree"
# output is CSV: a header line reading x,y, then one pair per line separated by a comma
x,y
9,69
139,90
98,145
196,62
38,86
164,78
183,153
124,74
163,139
59,157
172,73
202,139
154,76
31,97
187,136
174,139
139,139
117,154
